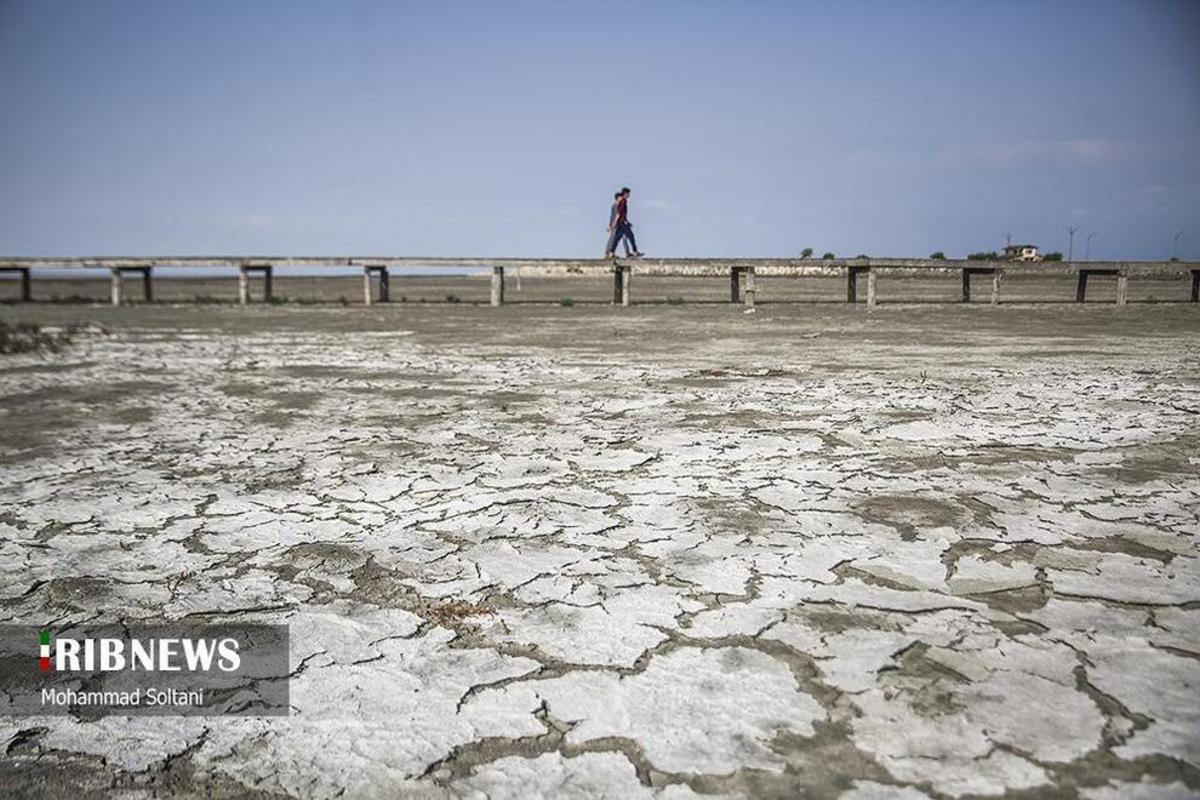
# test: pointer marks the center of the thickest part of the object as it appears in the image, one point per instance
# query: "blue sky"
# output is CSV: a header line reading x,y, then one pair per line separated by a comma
x,y
456,128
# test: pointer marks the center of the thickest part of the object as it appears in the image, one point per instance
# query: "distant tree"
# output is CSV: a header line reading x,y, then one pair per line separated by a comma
x,y
862,255
1174,258
1055,256
992,256
828,256
939,255
806,252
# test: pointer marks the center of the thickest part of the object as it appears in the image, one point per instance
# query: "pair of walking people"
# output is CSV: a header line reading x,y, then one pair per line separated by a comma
x,y
619,227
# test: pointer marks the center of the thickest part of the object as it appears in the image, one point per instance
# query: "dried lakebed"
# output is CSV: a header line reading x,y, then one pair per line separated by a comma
x,y
641,553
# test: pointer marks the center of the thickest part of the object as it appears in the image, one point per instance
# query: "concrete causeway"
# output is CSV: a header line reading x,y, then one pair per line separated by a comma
x,y
741,272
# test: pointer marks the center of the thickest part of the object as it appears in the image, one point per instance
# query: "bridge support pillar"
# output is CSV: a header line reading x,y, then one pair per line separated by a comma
x,y
852,274
26,281
1121,275
116,286
870,287
244,272
622,280
368,273
497,286
969,272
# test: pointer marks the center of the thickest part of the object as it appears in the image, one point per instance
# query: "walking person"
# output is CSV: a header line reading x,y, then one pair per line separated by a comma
x,y
620,228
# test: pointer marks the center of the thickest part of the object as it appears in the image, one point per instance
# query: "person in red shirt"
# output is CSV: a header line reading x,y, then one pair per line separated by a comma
x,y
619,227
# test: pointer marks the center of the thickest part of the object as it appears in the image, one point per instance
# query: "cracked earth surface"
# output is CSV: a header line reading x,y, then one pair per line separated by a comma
x,y
668,552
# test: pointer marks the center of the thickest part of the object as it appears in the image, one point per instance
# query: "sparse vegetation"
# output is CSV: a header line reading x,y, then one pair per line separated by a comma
x,y
828,256
806,252
862,255
674,301
939,255
72,298
981,256
29,338
452,298
453,615
1055,256
566,301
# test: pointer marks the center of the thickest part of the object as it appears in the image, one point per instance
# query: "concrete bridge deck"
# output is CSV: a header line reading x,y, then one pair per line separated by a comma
x,y
741,272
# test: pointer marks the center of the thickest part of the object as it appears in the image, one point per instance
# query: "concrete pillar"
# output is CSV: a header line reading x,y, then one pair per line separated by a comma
x,y
375,272
1122,288
1081,287
966,285
243,284
622,277
997,275
116,286
750,287
734,288
497,286
26,281
245,271
851,285
870,287
1196,286
147,285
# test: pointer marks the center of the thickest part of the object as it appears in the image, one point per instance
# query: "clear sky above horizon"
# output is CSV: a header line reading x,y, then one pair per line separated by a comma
x,y
481,128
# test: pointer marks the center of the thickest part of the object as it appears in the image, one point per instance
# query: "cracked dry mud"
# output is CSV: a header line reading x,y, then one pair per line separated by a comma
x,y
664,552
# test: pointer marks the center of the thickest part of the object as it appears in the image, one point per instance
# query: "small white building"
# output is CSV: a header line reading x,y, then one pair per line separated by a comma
x,y
1022,252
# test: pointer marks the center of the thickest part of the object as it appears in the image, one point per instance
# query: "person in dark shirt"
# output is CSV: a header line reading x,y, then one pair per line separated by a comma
x,y
619,227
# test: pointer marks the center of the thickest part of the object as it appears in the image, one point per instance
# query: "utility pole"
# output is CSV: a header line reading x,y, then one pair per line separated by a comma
x,y
1087,247
1175,245
1071,243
